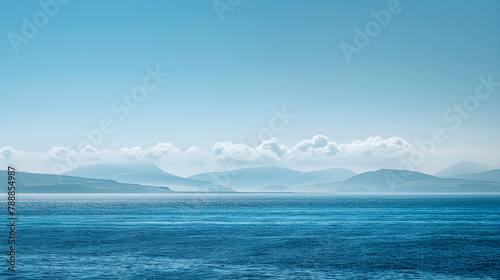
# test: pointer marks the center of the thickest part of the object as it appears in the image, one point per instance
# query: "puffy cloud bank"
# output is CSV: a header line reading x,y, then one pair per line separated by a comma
x,y
319,149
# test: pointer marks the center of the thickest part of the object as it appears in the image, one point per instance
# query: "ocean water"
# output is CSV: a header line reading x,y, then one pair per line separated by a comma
x,y
256,236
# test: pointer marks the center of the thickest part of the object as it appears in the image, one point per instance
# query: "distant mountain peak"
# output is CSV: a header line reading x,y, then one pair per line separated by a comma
x,y
490,175
143,167
144,173
256,178
464,167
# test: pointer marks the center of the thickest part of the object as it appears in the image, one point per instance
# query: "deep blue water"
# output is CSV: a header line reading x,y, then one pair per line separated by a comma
x,y
248,236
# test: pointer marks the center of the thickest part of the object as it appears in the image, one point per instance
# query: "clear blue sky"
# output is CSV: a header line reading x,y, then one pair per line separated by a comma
x,y
227,76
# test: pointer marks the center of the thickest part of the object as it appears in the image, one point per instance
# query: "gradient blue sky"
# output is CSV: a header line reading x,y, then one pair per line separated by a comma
x,y
227,76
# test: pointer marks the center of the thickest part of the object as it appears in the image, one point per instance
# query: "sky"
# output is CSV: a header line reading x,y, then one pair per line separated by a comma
x,y
197,86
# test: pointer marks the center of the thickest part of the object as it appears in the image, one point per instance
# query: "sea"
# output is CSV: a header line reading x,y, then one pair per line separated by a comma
x,y
254,236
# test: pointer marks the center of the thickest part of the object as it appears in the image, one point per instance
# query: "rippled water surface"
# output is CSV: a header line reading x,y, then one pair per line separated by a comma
x,y
256,236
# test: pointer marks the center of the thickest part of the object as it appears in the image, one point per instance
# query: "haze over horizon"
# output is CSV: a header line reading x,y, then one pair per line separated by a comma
x,y
250,139
176,84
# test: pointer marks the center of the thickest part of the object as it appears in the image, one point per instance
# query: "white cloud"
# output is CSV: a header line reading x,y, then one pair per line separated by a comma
x,y
196,156
228,151
269,151
160,150
272,149
134,153
318,141
318,150
375,146
7,153
57,154
90,153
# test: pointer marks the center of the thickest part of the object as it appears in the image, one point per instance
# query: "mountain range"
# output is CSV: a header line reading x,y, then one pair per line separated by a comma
x,y
147,174
464,167
400,181
253,179
491,175
148,178
47,183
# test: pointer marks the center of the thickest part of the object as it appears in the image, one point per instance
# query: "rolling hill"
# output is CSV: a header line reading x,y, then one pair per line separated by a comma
x,y
399,181
249,179
148,178
256,179
145,173
48,183
464,167
491,175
